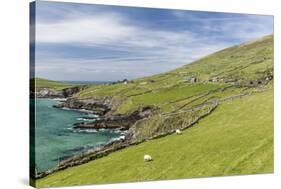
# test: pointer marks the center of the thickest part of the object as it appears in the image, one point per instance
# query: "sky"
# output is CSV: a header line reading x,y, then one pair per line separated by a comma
x,y
87,42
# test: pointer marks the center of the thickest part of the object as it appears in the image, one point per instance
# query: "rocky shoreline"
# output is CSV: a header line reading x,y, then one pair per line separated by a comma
x,y
122,122
100,107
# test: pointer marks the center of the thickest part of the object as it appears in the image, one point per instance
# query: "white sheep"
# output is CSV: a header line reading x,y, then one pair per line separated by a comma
x,y
178,132
147,157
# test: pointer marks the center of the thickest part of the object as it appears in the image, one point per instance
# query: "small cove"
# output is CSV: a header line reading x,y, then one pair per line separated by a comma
x,y
55,139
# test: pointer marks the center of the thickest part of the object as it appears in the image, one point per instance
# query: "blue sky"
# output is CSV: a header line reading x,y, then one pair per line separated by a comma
x,y
107,43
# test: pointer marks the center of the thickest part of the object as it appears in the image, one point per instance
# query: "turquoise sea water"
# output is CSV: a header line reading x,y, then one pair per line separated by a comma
x,y
55,139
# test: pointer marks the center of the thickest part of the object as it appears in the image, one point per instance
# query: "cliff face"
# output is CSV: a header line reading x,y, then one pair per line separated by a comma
x,y
99,107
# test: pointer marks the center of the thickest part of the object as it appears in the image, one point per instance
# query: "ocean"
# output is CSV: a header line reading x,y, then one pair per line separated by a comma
x,y
55,139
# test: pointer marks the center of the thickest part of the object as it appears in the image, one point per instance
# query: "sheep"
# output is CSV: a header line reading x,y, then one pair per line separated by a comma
x,y
147,157
178,132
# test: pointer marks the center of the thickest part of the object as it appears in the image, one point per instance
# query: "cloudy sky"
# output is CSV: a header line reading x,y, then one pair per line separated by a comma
x,y
82,42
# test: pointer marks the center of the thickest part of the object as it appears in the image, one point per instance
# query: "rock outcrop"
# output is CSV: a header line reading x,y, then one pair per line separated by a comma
x,y
95,106
68,92
53,93
123,122
48,93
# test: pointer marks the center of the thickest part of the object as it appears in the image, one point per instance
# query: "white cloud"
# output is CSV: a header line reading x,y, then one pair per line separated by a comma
x,y
107,29
98,29
152,50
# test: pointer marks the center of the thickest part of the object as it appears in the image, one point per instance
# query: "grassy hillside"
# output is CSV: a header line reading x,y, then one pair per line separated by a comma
x,y
241,64
44,83
232,140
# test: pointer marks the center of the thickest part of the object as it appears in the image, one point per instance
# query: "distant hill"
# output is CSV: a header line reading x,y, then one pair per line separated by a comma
x,y
45,83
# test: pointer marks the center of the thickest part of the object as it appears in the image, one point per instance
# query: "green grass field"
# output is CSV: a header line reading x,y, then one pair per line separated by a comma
x,y
237,138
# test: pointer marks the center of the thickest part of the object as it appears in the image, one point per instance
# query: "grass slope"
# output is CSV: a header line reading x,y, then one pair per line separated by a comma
x,y
232,140
243,63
